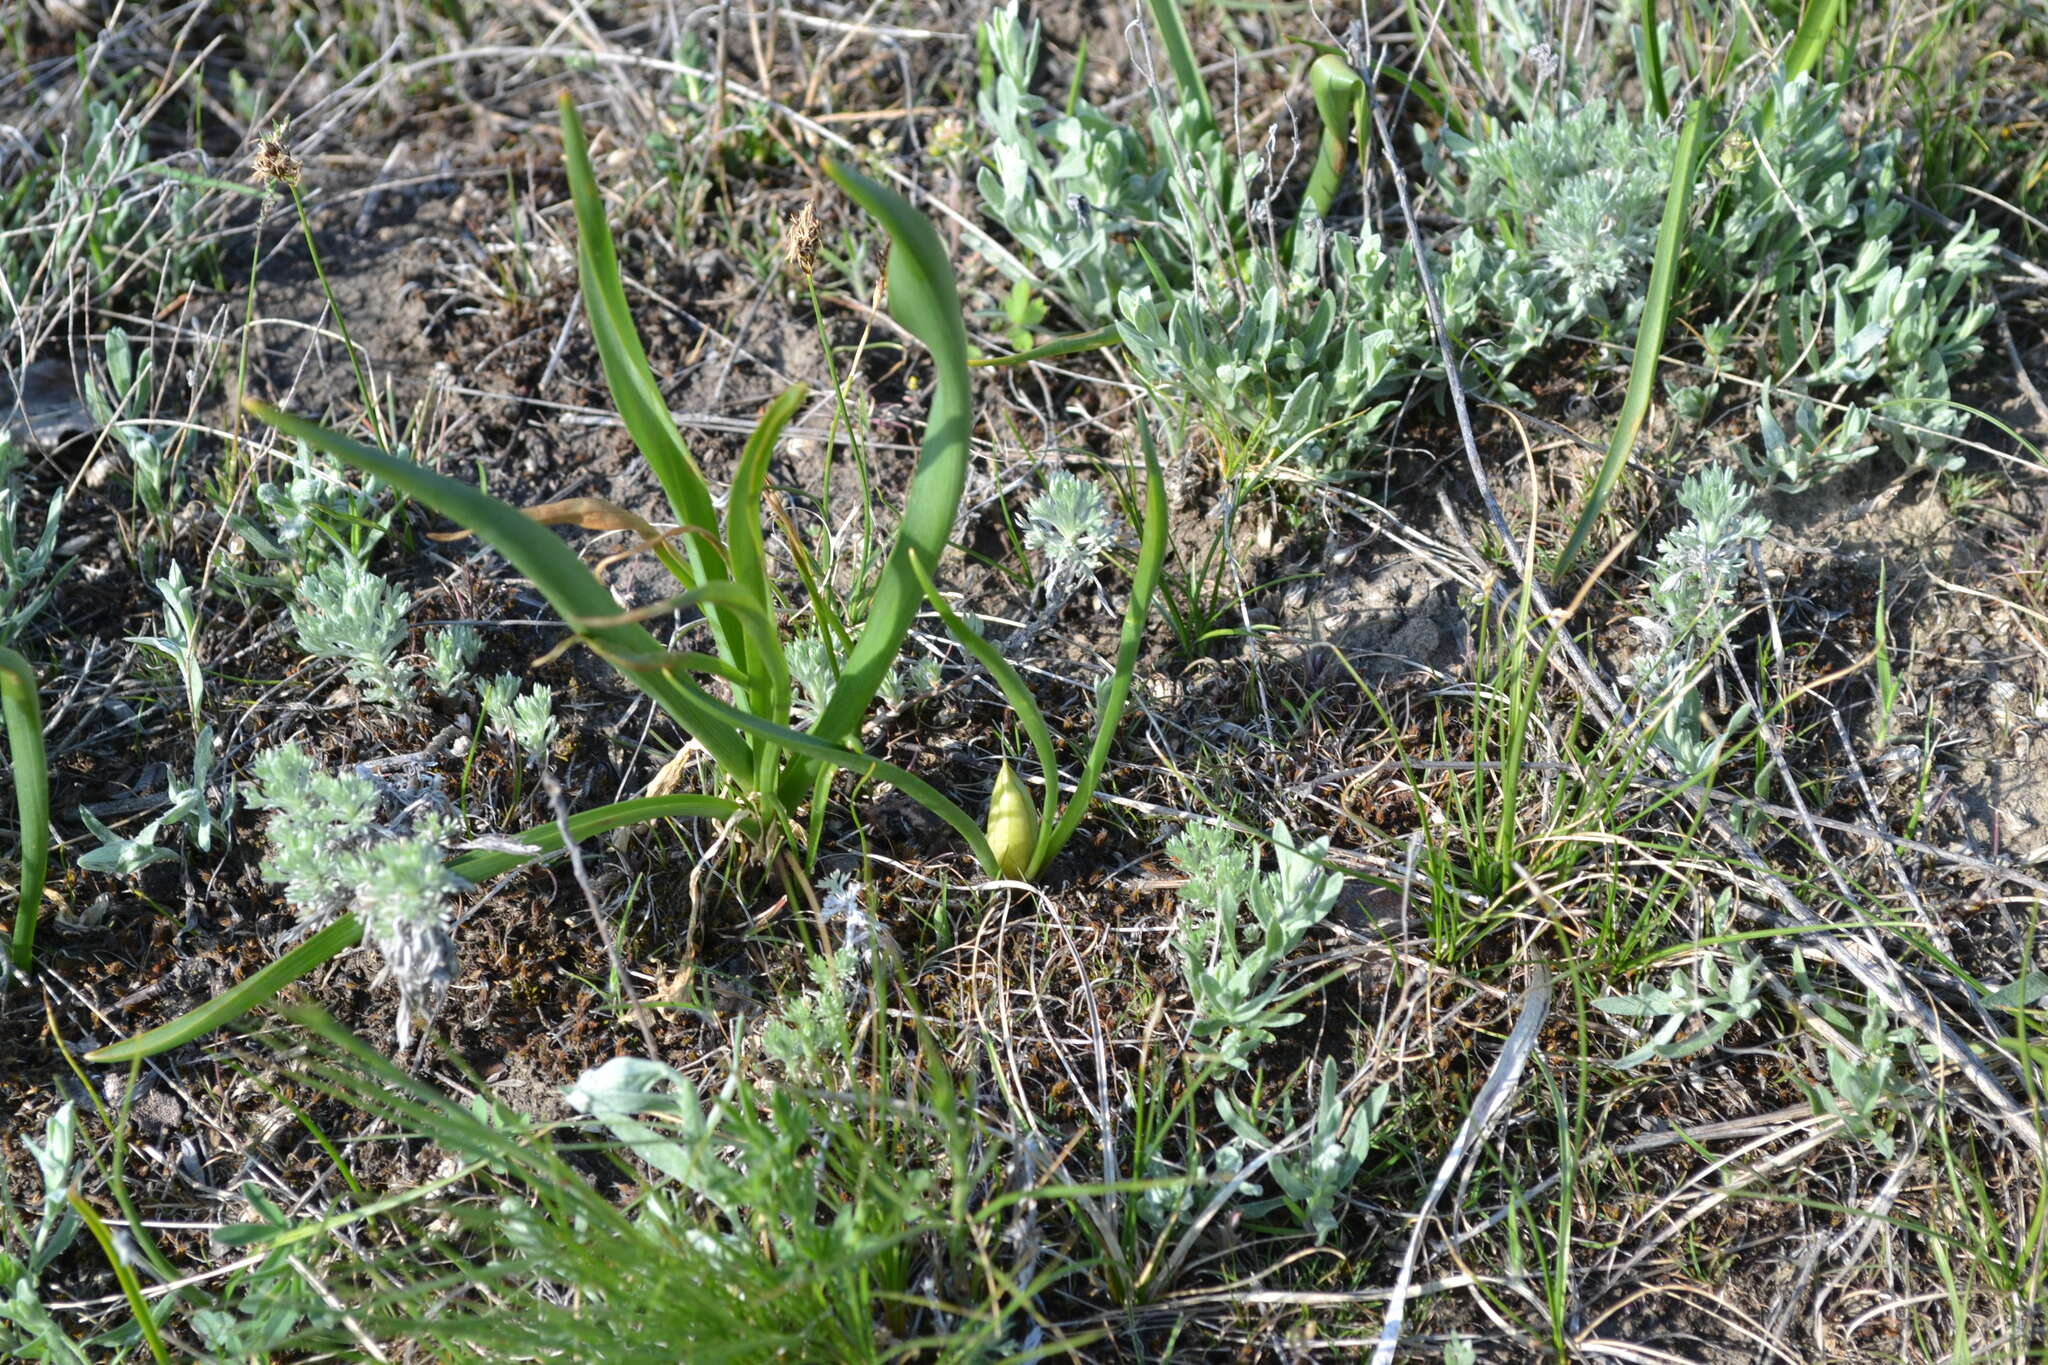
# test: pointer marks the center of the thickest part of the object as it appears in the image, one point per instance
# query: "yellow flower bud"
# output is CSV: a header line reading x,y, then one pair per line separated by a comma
x,y
1012,825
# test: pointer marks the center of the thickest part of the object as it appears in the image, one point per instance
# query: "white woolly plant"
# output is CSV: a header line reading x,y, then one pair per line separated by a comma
x,y
348,614
450,652
1072,526
525,722
333,851
1692,607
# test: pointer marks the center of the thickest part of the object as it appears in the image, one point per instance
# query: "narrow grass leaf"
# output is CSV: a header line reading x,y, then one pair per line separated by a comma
x,y
24,715
124,1273
1099,339
1144,583
1642,379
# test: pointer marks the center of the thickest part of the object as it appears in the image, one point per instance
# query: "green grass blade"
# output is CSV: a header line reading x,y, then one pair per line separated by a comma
x,y
1014,691
1180,54
1099,339
867,765
236,1001
124,1274
31,768
1144,583
746,554
1642,379
535,551
924,298
629,377
1810,40
346,933
1653,63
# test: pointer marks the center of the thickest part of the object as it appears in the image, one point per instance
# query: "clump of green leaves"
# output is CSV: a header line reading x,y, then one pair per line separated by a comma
x,y
27,1328
1866,1082
1240,997
1811,247
101,206
312,515
1068,184
333,850
1803,262
1313,1175
194,806
124,410
1719,995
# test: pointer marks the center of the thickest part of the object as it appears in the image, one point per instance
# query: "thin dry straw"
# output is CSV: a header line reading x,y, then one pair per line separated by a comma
x,y
1501,1085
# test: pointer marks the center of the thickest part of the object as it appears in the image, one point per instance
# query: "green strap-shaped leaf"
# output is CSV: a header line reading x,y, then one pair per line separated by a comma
x,y
1144,583
1096,340
1338,92
31,771
866,765
347,932
924,298
1642,378
1810,41
631,379
744,548
534,550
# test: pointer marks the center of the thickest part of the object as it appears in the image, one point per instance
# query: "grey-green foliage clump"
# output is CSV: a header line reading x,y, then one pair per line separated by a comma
x,y
1718,999
103,205
1561,215
1239,996
348,614
1077,189
333,851
27,578
1811,246
1692,607
1072,526
27,1327
450,652
312,515
524,721
124,409
1314,1176
1803,261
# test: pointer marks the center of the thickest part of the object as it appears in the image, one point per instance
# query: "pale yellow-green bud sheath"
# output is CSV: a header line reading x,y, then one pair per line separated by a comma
x,y
1012,825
